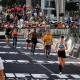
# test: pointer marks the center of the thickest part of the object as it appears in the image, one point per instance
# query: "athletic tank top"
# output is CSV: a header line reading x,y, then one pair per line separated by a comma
x,y
27,36
60,45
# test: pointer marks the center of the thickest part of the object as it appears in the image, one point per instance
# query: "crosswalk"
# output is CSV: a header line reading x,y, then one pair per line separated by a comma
x,y
13,57
40,76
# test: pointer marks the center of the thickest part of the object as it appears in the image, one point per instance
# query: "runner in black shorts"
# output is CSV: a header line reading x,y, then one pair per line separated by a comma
x,y
60,47
8,32
27,36
34,36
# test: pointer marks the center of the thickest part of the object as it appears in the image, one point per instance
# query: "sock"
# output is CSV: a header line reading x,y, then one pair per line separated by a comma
x,y
60,68
13,43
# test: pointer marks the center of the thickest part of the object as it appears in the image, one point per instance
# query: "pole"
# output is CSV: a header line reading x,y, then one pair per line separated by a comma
x,y
57,2
62,10
49,11
28,2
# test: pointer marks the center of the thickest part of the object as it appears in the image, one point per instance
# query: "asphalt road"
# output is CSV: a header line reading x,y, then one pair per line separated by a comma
x,y
20,64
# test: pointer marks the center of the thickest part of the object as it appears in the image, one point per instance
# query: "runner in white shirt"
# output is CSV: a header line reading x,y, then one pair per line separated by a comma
x,y
27,37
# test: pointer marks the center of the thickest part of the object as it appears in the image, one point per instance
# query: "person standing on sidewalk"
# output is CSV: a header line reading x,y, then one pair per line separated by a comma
x,y
60,48
47,41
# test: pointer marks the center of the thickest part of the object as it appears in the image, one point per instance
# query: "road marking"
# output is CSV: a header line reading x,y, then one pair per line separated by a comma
x,y
10,75
61,76
39,64
75,76
20,75
39,75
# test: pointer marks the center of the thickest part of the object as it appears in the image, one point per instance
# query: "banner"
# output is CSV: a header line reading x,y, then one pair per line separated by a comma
x,y
58,32
55,31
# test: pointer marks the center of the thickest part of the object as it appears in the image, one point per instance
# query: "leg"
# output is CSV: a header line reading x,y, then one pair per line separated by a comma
x,y
63,61
16,41
1,75
31,47
46,51
27,45
34,46
7,40
49,49
60,64
13,42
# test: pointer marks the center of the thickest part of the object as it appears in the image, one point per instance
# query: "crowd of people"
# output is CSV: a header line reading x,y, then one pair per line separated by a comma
x,y
27,16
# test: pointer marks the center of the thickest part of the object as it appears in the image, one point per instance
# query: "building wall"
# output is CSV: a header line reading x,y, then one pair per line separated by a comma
x,y
28,2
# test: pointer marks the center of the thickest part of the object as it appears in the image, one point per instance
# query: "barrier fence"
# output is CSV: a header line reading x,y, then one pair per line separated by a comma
x,y
56,32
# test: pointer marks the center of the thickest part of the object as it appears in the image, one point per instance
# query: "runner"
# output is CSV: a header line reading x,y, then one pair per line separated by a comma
x,y
1,70
60,47
34,36
47,41
8,32
27,36
14,35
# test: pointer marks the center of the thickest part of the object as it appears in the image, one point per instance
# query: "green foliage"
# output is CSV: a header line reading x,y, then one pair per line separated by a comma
x,y
72,6
8,2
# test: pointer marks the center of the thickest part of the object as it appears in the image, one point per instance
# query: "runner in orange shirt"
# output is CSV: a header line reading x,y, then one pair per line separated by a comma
x,y
47,41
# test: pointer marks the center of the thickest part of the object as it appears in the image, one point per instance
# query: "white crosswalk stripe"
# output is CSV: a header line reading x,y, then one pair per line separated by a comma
x,y
61,76
41,76
75,76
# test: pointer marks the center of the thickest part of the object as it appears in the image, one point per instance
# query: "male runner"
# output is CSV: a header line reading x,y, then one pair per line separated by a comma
x,y
34,36
47,41
8,32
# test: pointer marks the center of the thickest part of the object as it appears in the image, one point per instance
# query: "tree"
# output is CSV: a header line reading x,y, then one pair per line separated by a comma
x,y
72,6
11,2
8,2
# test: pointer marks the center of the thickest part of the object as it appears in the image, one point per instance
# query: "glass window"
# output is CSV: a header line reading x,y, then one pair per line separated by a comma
x,y
46,3
52,4
34,2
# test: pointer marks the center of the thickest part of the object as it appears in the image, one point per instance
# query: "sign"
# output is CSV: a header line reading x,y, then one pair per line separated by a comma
x,y
57,32
22,31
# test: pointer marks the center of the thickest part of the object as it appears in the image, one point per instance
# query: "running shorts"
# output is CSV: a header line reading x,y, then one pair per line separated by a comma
x,y
62,54
7,36
48,47
28,41
34,40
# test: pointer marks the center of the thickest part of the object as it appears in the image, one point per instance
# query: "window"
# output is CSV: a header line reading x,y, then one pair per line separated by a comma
x,y
34,2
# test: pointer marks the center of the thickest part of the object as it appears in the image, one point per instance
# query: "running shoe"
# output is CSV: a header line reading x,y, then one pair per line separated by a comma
x,y
60,73
7,44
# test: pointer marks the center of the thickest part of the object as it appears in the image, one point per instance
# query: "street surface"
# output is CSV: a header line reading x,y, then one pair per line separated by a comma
x,y
21,64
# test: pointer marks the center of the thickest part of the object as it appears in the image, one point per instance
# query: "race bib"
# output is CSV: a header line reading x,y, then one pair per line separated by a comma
x,y
48,40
